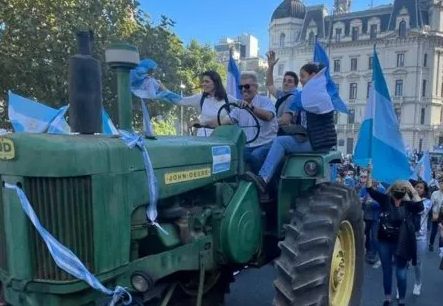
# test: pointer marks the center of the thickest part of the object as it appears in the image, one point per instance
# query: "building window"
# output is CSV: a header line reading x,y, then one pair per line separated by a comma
x,y
338,34
281,69
402,29
368,89
353,91
422,115
399,88
397,110
337,65
423,89
337,86
354,64
351,116
282,40
311,38
425,60
400,60
354,33
371,58
420,145
373,31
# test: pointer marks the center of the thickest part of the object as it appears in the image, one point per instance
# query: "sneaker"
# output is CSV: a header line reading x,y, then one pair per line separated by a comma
x,y
256,179
441,252
417,289
377,264
397,295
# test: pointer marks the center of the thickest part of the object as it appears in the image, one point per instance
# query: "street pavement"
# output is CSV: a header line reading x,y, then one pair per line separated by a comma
x,y
253,287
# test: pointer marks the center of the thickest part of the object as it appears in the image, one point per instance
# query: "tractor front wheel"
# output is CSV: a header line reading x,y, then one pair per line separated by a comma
x,y
321,261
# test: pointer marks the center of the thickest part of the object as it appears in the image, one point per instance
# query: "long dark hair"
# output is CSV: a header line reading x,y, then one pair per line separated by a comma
x,y
220,92
426,193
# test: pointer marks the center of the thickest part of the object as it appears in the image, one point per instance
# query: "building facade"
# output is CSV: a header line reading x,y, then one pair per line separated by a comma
x,y
408,35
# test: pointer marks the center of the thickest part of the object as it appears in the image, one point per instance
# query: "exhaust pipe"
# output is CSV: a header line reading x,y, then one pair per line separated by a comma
x,y
85,88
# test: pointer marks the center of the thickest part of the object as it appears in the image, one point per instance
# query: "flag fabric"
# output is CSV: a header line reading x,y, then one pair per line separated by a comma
x,y
380,141
29,116
314,97
145,86
108,127
321,57
233,79
423,168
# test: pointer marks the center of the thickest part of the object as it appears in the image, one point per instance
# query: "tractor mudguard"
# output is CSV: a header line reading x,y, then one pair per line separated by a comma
x,y
241,226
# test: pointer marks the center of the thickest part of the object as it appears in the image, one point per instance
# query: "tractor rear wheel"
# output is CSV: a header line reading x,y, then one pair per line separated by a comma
x,y
321,261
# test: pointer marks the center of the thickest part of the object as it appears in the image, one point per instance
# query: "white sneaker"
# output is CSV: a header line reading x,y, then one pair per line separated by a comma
x,y
397,296
377,264
441,252
417,289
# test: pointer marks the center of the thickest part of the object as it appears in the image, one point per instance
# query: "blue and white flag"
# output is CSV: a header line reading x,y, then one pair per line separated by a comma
x,y
423,168
380,141
321,57
233,79
31,116
145,86
314,97
108,126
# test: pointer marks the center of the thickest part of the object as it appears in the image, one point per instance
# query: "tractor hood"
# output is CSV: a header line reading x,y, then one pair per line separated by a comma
x,y
44,155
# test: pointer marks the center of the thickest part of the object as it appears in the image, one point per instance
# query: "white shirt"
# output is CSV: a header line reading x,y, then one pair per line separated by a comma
x,y
268,129
437,200
208,112
421,234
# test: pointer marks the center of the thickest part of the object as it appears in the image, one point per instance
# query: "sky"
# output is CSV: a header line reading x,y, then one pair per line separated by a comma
x,y
209,20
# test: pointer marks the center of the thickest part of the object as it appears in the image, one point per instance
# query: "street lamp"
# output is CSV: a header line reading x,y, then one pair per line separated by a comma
x,y
182,87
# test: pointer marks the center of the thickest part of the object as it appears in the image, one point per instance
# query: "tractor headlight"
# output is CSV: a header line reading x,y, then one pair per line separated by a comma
x,y
141,281
311,168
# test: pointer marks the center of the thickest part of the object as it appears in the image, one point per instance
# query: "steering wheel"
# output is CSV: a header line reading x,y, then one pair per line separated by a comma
x,y
246,116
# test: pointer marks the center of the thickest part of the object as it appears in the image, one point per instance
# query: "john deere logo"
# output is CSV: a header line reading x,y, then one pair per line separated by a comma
x,y
7,150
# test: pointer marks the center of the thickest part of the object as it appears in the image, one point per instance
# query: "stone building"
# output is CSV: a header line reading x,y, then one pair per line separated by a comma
x,y
408,35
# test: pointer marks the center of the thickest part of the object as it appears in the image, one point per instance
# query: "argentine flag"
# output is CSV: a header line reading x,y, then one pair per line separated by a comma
x,y
321,57
33,117
233,79
380,141
423,168
314,97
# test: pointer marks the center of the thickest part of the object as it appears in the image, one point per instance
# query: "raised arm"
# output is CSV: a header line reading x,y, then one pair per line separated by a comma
x,y
272,61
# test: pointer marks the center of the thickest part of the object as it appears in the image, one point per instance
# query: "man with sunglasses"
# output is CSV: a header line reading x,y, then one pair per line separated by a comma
x,y
263,109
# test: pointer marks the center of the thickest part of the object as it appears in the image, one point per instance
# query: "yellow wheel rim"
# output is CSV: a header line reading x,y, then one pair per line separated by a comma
x,y
341,279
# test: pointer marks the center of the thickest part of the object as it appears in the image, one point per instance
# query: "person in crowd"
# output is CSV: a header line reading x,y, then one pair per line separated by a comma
x,y
285,116
396,235
317,135
421,234
350,179
263,109
371,214
437,201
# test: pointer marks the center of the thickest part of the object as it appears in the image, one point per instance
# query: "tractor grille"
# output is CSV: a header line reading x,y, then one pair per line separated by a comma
x,y
64,207
3,261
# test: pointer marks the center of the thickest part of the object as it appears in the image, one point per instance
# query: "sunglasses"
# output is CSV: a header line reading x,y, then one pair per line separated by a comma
x,y
246,86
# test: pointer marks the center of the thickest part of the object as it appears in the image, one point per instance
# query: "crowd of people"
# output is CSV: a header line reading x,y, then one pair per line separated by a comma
x,y
402,222
398,217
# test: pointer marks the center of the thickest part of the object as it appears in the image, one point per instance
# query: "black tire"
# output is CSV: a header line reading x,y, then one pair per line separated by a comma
x,y
304,266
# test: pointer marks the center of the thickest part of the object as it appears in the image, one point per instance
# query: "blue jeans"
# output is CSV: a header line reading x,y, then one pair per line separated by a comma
x,y
387,253
255,156
280,146
371,243
421,250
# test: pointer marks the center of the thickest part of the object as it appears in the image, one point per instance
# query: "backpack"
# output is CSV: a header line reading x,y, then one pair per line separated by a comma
x,y
280,101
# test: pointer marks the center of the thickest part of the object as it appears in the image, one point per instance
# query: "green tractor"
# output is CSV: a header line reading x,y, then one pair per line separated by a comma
x,y
89,191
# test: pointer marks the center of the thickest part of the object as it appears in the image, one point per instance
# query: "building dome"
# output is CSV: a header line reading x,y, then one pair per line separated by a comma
x,y
290,8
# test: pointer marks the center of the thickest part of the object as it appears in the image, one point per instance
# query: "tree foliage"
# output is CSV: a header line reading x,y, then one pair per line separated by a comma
x,y
37,37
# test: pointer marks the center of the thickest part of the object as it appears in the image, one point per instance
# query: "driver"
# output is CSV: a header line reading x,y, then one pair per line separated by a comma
x,y
263,108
